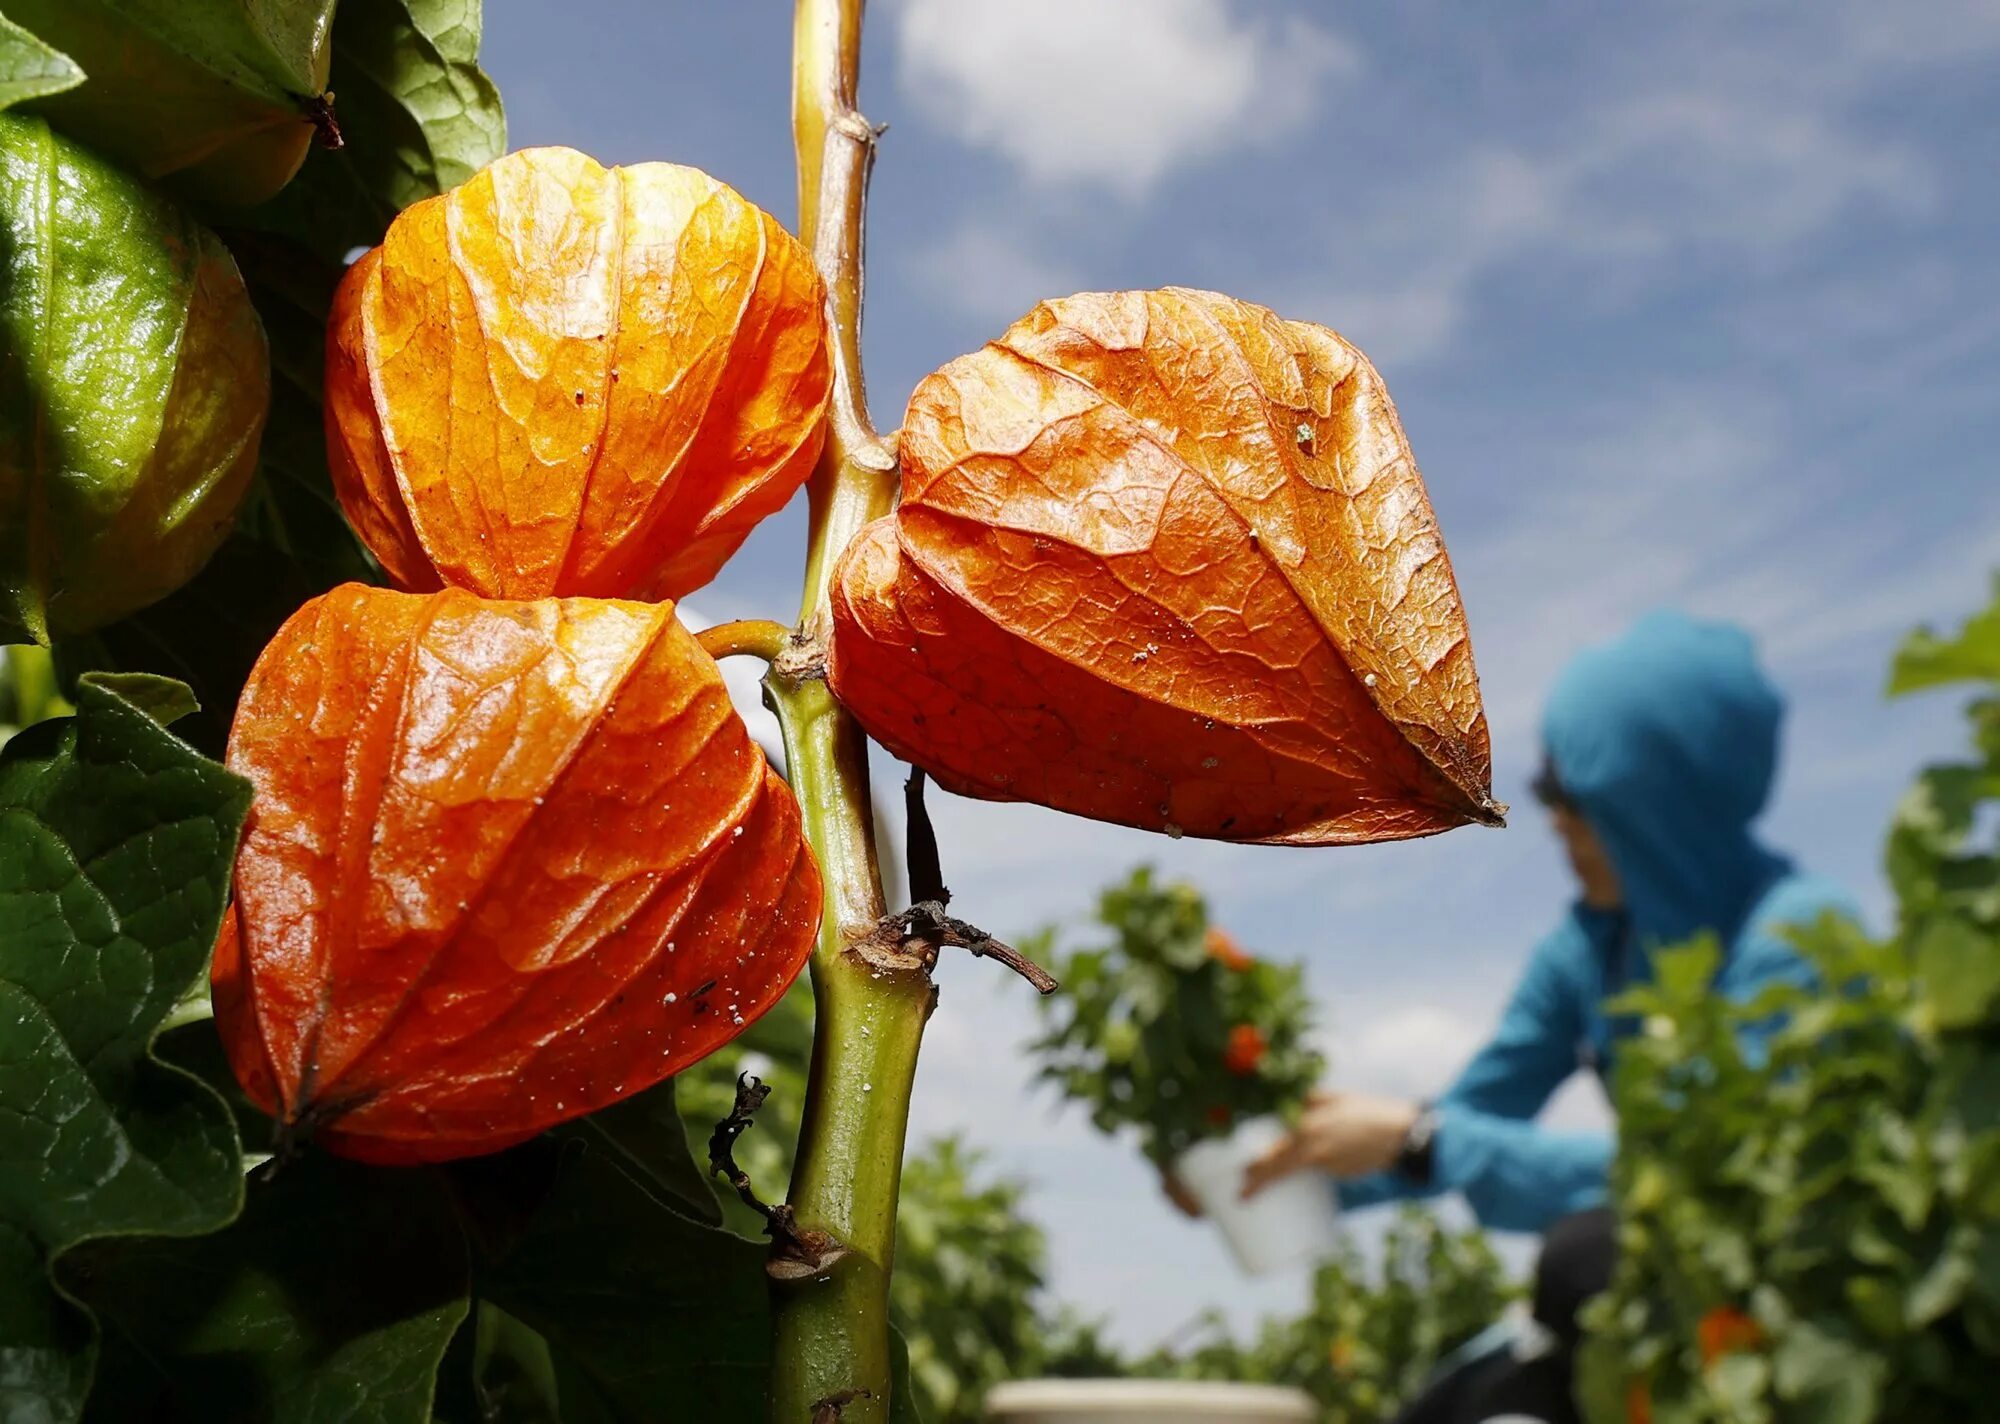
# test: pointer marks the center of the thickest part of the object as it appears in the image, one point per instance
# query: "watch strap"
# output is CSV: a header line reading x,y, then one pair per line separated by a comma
x,y
1415,1158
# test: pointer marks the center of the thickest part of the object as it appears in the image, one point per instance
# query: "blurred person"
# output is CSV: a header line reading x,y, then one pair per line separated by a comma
x,y
1659,753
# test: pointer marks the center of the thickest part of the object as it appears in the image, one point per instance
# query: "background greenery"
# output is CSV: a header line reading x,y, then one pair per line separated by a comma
x,y
1140,1033
1841,1195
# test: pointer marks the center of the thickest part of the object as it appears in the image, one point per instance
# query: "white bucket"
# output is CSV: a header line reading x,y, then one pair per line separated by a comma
x,y
1290,1220
1144,1402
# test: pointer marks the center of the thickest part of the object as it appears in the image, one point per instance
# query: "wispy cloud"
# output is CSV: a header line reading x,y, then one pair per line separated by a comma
x,y
1113,93
1692,165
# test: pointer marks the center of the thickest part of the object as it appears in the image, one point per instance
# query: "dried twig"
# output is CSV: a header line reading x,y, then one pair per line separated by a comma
x,y
912,939
796,1252
319,113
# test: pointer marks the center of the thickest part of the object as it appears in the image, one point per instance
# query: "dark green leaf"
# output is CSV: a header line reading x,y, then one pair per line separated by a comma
x,y
1940,1288
514,1371
331,1301
208,634
646,1133
215,99
903,1406
30,69
418,114
164,699
644,1309
292,509
115,846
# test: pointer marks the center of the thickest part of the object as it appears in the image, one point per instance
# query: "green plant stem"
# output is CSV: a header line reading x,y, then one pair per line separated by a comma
x,y
833,1329
748,637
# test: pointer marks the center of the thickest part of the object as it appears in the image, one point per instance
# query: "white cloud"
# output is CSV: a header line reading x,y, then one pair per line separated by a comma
x,y
1410,1052
1113,93
1725,175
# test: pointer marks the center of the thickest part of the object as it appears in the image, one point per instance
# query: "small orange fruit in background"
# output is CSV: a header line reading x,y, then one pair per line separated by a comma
x,y
506,863
1164,559
1725,1330
1638,1403
1245,1050
1224,950
563,379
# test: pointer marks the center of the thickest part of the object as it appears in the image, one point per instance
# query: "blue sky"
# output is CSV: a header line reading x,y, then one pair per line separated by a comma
x,y
1694,304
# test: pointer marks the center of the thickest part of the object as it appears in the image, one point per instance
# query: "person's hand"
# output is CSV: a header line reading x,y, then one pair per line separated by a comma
x,y
1341,1134
1177,1192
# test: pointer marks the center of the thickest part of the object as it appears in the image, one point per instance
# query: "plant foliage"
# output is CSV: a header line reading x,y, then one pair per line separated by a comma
x,y
1142,1034
1812,1235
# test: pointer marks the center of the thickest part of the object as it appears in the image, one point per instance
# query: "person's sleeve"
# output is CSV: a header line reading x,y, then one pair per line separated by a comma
x,y
1516,1175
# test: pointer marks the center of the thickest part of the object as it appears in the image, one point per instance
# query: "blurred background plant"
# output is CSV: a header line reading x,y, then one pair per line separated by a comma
x,y
1814,1235
1372,1334
1171,1028
971,1293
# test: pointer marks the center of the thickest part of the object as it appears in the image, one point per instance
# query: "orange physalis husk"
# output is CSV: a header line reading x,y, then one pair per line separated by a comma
x,y
1164,559
561,379
1725,1330
506,863
1244,1051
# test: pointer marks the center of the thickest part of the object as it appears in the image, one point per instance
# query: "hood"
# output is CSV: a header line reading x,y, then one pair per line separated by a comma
x,y
1667,741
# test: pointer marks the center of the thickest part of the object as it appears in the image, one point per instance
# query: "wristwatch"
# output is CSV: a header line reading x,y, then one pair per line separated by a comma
x,y
1413,1158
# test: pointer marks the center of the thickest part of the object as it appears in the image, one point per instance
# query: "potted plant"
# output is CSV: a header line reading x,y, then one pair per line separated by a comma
x,y
1173,1031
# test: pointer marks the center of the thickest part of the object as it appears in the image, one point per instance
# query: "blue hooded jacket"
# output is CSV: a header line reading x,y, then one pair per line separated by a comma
x,y
1667,741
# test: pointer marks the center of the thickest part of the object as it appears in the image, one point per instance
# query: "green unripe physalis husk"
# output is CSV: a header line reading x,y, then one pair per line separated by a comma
x,y
215,99
133,383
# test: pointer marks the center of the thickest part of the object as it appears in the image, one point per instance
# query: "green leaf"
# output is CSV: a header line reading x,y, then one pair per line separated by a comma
x,y
1960,970
30,690
208,634
1925,660
903,1407
1942,1286
115,846
646,1133
331,1301
213,98
418,114
1829,1380
163,699
514,1371
292,509
30,69
644,1309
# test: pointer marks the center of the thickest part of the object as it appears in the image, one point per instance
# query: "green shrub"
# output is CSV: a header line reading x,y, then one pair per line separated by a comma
x,y
1815,1236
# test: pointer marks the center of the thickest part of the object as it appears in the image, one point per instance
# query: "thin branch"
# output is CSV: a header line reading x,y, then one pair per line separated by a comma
x,y
836,149
747,637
